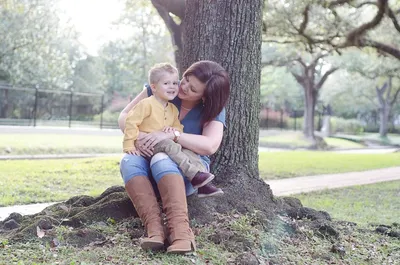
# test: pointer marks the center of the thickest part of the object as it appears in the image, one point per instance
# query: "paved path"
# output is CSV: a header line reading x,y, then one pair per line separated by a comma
x,y
22,209
282,187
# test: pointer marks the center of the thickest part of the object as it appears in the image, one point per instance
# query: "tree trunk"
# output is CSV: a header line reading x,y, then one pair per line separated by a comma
x,y
384,113
4,105
310,97
229,32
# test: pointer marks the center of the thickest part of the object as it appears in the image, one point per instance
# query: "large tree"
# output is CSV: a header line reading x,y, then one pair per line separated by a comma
x,y
230,34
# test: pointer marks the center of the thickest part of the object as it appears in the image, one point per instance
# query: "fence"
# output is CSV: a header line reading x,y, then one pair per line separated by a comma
x,y
41,107
293,120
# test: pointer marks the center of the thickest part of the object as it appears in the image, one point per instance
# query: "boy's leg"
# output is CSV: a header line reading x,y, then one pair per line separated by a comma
x,y
188,163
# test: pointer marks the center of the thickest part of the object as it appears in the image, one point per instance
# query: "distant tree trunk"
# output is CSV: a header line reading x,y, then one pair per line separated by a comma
x,y
4,104
310,98
384,113
229,32
308,80
386,102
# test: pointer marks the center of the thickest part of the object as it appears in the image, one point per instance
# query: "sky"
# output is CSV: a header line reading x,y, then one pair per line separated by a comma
x,y
93,19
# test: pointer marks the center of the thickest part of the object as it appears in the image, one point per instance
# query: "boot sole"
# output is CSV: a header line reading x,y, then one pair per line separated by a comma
x,y
204,182
154,246
180,251
215,194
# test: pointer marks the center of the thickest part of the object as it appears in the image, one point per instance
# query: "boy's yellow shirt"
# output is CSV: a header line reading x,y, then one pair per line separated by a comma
x,y
147,116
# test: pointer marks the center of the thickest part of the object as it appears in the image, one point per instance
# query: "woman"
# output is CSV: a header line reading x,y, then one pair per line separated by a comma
x,y
203,93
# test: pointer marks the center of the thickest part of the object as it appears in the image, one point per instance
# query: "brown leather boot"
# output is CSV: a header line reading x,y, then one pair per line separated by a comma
x,y
144,199
173,195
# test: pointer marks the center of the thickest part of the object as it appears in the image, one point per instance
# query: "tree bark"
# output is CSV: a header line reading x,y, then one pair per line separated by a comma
x,y
4,107
310,98
384,120
229,32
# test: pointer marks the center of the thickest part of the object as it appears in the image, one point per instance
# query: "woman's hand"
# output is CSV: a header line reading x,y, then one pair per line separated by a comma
x,y
146,143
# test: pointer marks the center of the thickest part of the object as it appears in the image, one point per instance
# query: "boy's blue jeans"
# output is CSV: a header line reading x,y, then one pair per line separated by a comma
x,y
160,165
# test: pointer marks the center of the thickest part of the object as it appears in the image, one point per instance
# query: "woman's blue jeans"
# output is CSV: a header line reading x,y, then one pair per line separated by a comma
x,y
159,166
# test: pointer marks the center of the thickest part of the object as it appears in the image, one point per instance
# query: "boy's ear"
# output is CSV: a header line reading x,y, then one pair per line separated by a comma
x,y
153,88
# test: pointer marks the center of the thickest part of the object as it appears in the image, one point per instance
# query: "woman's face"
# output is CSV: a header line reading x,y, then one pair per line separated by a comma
x,y
191,89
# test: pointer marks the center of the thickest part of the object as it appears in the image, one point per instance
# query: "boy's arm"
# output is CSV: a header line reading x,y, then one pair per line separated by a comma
x,y
132,123
177,124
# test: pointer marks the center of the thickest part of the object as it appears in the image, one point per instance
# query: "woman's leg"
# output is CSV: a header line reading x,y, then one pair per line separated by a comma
x,y
173,192
135,171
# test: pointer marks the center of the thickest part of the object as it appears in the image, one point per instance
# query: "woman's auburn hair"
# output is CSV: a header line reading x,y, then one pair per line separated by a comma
x,y
216,93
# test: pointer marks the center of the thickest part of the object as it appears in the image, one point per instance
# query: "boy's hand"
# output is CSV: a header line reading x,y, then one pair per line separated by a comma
x,y
168,129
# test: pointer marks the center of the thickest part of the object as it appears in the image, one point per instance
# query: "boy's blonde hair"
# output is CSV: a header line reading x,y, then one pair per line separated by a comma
x,y
156,72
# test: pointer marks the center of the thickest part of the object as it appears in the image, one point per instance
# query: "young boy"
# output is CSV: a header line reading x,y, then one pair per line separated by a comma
x,y
156,113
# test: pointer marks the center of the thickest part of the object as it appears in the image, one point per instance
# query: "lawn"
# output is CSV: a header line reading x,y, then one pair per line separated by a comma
x,y
17,144
54,180
34,181
375,203
291,139
276,165
233,239
31,181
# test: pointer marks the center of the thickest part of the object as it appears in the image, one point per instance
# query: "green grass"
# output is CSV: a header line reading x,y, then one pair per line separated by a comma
x,y
278,244
58,144
375,203
290,139
34,181
25,181
276,165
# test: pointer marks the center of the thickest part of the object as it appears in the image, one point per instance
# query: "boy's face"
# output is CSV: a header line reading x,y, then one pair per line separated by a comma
x,y
167,87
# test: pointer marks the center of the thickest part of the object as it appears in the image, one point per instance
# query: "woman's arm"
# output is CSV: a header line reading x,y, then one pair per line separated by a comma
x,y
207,143
125,111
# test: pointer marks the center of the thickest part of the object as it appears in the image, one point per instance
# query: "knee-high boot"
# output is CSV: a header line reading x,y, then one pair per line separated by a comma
x,y
144,199
173,196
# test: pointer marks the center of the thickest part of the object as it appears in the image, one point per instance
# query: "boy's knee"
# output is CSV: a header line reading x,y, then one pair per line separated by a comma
x,y
157,157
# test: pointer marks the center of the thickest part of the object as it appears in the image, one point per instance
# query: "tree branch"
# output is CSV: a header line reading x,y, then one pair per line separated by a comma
x,y
325,77
333,4
392,16
354,36
381,47
303,24
380,92
395,97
